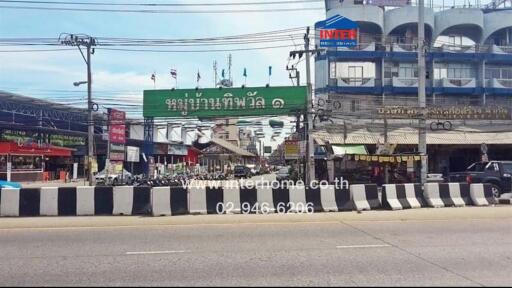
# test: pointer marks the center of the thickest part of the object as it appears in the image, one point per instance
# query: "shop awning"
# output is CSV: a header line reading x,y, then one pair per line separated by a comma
x,y
341,150
460,135
34,149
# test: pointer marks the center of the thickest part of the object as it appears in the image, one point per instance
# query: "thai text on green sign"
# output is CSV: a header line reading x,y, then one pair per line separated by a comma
x,y
215,102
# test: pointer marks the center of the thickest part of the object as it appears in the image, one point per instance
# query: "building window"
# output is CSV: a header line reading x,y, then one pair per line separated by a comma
x,y
408,70
355,105
454,71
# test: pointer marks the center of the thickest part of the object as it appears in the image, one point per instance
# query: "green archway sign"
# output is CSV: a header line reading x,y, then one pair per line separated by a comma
x,y
225,102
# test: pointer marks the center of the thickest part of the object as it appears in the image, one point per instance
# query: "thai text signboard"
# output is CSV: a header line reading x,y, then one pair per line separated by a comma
x,y
448,112
117,126
292,149
225,102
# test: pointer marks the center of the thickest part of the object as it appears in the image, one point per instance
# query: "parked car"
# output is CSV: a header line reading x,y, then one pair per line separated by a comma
x,y
496,173
241,171
9,184
114,179
283,174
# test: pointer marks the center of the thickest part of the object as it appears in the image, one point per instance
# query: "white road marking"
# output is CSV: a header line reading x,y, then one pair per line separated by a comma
x,y
155,252
363,246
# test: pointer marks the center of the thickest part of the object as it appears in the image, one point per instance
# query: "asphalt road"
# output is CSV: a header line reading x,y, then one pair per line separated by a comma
x,y
471,249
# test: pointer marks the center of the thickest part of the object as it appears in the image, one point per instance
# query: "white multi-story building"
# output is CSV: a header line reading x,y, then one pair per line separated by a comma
x,y
468,61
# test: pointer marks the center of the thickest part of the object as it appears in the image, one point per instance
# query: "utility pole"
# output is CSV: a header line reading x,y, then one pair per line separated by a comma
x,y
422,130
308,119
88,42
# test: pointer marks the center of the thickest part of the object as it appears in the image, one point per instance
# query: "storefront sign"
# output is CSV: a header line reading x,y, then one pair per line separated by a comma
x,y
180,150
291,149
116,152
117,127
132,154
448,112
337,31
225,102
160,149
66,140
21,137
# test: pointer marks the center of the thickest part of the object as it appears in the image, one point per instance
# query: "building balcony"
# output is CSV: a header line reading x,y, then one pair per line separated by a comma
x,y
396,47
356,82
501,49
458,48
499,86
404,82
458,83
500,83
353,86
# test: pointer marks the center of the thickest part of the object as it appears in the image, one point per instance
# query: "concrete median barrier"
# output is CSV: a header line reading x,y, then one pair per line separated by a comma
x,y
481,194
365,196
390,197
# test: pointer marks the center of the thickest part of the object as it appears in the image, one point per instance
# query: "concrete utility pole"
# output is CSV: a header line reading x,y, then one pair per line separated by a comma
x,y
310,161
422,130
88,42
308,115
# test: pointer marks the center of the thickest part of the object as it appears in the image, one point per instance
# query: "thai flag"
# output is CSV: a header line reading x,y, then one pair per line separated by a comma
x,y
174,74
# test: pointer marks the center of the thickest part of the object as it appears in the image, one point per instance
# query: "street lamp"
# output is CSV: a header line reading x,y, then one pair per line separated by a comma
x,y
79,83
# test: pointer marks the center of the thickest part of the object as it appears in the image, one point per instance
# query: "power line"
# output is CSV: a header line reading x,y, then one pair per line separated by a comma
x,y
164,4
196,51
163,11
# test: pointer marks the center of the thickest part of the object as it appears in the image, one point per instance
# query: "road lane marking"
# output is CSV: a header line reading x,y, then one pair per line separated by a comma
x,y
363,246
178,225
155,252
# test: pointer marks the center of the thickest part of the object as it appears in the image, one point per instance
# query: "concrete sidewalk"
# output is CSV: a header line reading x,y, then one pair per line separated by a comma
x,y
424,214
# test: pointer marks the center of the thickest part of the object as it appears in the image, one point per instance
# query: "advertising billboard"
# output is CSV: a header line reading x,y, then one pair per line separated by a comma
x,y
337,31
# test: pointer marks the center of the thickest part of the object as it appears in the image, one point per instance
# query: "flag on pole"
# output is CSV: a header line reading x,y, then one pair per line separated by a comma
x,y
269,70
174,74
245,72
223,75
198,76
153,77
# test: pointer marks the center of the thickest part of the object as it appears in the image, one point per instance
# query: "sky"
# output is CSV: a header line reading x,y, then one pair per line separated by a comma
x,y
126,74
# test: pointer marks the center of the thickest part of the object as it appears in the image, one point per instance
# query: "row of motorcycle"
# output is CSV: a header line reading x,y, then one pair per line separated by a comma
x,y
175,180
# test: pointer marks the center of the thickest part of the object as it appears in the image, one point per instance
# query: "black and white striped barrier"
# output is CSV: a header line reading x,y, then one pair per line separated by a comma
x,y
75,201
481,194
365,196
447,194
402,196
129,200
167,201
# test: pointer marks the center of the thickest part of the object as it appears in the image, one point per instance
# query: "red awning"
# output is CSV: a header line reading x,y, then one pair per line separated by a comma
x,y
34,149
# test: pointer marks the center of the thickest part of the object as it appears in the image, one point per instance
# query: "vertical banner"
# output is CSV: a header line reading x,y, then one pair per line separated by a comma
x,y
117,126
116,134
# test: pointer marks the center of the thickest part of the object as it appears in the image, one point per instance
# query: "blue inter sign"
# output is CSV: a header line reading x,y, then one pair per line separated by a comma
x,y
337,31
